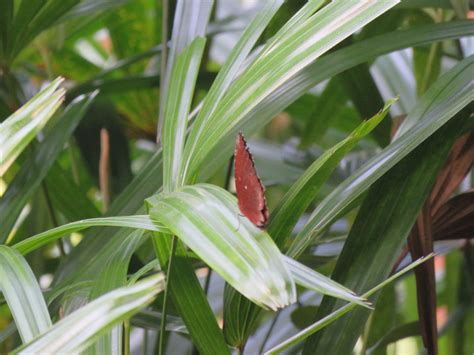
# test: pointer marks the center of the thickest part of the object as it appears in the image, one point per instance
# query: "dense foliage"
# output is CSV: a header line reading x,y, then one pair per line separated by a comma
x,y
119,228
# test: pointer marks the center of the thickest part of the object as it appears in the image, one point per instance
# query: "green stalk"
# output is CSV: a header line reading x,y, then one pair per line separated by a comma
x,y
165,298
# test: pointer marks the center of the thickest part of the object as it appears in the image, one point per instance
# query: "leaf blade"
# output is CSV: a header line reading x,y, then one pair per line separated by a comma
x,y
78,330
27,181
205,218
23,295
18,130
136,222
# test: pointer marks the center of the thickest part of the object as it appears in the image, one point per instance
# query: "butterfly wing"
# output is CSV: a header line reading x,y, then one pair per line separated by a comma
x,y
250,191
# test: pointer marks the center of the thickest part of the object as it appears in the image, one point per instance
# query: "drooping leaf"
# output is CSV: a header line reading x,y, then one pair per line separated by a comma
x,y
206,219
79,329
136,222
18,130
312,280
36,167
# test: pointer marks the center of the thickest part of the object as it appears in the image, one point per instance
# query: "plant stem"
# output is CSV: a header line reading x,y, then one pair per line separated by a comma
x,y
104,169
165,297
207,283
267,336
126,337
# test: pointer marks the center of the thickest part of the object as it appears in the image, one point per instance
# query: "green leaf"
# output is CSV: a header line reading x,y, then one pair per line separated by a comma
x,y
6,17
272,68
196,13
136,222
116,85
18,130
389,210
382,319
329,104
23,295
154,264
322,323
79,329
413,4
427,66
312,280
445,98
182,65
63,189
231,67
206,218
176,111
91,7
30,21
304,190
37,165
112,276
363,92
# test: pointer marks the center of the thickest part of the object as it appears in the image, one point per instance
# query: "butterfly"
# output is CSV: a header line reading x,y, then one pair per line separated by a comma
x,y
250,190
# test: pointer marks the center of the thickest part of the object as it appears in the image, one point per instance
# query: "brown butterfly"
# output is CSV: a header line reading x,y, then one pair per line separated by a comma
x,y
250,190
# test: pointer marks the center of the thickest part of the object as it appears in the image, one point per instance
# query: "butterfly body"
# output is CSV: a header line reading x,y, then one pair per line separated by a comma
x,y
249,188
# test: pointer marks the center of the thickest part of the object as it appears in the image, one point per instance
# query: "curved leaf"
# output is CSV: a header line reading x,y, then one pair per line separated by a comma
x,y
79,329
312,280
23,295
206,219
21,127
28,179
137,222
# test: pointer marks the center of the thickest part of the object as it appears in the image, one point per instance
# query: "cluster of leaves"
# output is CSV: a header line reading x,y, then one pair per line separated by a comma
x,y
386,180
